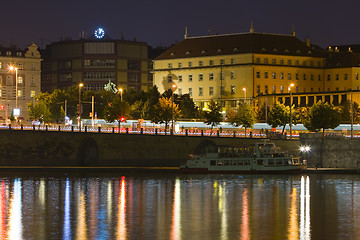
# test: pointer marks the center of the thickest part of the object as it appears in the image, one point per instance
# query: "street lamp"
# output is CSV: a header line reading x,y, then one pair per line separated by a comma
x,y
244,89
291,85
16,84
79,122
121,91
173,88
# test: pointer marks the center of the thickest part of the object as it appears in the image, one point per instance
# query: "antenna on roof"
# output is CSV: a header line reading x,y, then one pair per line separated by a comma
x,y
252,27
293,30
186,33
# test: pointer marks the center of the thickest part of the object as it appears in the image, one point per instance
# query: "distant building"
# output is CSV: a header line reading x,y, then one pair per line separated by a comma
x,y
94,62
28,65
258,68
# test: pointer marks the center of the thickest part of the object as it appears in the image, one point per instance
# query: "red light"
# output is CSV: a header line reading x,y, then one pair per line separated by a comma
x,y
122,119
1,107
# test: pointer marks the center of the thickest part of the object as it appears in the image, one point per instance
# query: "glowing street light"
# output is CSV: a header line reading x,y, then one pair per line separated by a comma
x,y
121,92
173,88
12,68
291,85
79,122
244,89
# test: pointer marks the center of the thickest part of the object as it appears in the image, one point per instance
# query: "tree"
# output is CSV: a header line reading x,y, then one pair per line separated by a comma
x,y
116,110
39,112
165,111
244,116
187,106
345,112
213,116
279,115
322,116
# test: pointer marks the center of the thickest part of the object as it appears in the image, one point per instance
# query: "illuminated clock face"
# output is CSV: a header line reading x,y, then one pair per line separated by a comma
x,y
99,33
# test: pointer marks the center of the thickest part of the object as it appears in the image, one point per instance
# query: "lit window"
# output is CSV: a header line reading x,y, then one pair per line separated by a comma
x,y
274,75
281,75
232,90
0,93
281,89
20,80
32,94
19,93
274,89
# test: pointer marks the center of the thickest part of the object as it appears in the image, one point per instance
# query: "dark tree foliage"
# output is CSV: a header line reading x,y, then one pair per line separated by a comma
x,y
322,116
213,117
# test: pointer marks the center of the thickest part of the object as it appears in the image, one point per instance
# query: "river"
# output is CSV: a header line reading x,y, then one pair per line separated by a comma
x,y
162,205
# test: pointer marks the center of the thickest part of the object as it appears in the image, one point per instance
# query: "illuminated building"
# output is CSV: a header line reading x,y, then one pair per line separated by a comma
x,y
95,61
26,66
257,66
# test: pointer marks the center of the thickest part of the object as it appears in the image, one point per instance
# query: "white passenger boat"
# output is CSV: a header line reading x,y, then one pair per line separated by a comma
x,y
263,157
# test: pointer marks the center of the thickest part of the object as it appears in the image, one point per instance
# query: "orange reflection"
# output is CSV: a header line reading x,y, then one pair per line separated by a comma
x,y
176,217
245,231
81,230
293,223
2,211
121,228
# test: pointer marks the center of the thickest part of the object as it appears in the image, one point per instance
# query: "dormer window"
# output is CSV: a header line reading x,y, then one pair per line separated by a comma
x,y
8,53
187,53
236,49
172,54
309,52
275,50
287,50
203,52
219,50
18,54
298,51
263,49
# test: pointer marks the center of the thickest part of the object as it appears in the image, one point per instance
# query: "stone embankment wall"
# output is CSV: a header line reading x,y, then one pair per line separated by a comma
x,y
331,151
42,148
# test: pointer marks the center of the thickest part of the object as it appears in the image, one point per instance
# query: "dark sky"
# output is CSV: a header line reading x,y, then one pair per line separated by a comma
x,y
162,22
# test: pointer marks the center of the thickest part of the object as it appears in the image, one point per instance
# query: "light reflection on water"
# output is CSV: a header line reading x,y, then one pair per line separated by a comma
x,y
171,206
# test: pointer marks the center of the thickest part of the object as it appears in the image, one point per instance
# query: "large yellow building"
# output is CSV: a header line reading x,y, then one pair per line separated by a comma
x,y
258,68
19,81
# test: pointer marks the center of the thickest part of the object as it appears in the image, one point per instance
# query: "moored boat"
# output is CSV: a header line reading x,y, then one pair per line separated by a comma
x,y
263,157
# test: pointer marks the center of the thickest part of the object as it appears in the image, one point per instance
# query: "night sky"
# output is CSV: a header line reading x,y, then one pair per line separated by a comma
x,y
161,23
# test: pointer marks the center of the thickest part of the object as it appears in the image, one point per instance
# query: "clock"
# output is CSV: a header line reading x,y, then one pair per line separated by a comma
x,y
99,33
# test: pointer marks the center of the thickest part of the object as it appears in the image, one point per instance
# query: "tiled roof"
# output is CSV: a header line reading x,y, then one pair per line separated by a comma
x,y
343,59
239,43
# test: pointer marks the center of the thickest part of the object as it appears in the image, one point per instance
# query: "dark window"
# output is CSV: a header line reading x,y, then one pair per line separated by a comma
x,y
134,65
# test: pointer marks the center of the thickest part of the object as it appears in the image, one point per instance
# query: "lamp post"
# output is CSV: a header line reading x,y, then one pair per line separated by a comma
x,y
244,89
79,122
16,84
291,85
121,91
173,87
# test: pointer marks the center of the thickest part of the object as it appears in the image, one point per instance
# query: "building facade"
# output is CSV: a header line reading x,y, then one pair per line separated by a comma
x,y
20,72
258,68
95,62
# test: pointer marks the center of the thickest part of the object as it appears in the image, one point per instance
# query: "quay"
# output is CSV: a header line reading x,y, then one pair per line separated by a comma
x,y
101,148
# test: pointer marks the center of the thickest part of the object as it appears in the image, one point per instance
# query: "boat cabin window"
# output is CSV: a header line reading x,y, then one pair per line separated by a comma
x,y
213,162
260,162
271,162
247,162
